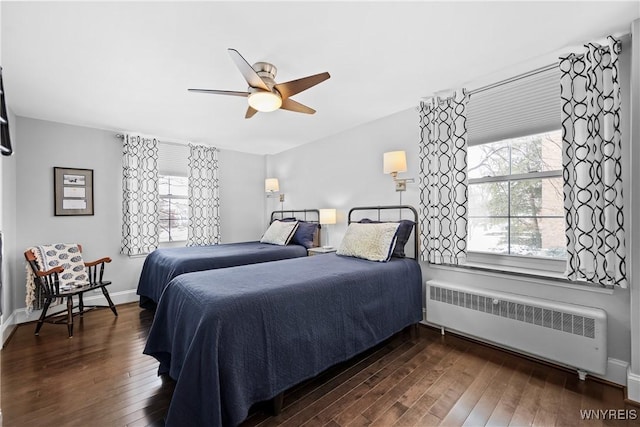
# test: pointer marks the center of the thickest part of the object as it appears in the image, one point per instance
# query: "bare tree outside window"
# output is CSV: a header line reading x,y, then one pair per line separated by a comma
x,y
174,208
515,197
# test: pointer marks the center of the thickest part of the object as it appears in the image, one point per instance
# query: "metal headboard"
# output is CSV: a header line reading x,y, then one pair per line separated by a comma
x,y
400,209
309,215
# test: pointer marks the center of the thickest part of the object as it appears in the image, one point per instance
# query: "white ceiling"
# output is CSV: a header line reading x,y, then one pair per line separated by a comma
x,y
126,66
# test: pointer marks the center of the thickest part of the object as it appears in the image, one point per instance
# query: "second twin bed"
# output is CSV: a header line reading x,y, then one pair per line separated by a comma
x,y
232,337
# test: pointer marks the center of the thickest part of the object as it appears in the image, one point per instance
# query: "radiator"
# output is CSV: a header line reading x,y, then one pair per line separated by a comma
x,y
568,334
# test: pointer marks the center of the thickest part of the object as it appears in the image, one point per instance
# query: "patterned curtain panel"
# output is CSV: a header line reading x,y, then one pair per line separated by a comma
x,y
204,197
443,179
140,195
590,91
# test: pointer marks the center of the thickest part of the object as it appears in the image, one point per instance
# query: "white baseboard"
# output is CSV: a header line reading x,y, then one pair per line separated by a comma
x,y
122,297
616,371
633,386
20,315
8,327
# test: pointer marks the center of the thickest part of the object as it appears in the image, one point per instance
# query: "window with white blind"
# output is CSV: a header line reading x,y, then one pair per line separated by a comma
x,y
173,189
515,215
526,105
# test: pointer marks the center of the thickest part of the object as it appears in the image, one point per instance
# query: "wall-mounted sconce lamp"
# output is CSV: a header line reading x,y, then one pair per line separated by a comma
x,y
394,162
272,188
327,217
271,185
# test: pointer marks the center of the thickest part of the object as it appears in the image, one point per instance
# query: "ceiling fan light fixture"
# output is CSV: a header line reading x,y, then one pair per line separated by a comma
x,y
265,101
263,93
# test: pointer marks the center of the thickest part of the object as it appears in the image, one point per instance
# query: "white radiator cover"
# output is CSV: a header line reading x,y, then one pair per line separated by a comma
x,y
568,334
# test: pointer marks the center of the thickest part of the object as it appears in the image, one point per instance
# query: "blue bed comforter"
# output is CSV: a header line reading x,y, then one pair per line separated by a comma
x,y
236,336
162,265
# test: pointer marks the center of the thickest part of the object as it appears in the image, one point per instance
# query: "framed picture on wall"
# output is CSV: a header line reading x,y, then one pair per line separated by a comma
x,y
73,191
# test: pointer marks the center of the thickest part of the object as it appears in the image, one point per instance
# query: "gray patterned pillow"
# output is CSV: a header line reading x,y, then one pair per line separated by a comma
x,y
279,232
374,242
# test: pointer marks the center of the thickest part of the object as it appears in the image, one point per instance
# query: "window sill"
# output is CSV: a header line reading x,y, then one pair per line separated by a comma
x,y
173,244
144,255
526,275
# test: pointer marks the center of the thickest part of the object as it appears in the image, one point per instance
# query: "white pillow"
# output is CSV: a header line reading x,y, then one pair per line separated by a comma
x,y
279,232
374,242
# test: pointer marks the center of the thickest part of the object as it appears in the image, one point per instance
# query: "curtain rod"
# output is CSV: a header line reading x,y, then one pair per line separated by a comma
x,y
514,78
508,80
530,73
181,144
543,69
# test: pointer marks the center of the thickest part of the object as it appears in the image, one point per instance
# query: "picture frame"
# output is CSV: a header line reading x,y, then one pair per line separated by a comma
x,y
73,191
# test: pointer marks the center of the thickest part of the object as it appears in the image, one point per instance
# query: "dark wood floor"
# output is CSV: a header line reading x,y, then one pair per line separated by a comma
x,y
101,378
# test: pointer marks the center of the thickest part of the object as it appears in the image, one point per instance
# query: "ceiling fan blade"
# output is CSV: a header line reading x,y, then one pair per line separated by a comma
x,y
250,112
247,71
291,105
220,92
296,86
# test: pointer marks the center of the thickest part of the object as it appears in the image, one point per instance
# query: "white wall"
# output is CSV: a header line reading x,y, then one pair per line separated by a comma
x,y
242,199
633,391
44,145
2,267
345,170
8,227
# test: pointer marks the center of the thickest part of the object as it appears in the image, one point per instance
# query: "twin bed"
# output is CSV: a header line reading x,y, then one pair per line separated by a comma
x,y
164,264
232,337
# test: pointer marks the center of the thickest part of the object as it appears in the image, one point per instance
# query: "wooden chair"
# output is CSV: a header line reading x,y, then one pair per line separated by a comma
x,y
49,285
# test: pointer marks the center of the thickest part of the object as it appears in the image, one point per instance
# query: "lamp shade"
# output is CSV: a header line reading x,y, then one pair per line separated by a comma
x,y
265,101
327,216
395,161
271,185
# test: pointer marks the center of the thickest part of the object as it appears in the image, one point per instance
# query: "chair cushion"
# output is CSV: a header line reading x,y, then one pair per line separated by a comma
x,y
69,257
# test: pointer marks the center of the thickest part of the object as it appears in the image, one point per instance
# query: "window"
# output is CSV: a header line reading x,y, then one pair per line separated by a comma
x,y
515,197
174,208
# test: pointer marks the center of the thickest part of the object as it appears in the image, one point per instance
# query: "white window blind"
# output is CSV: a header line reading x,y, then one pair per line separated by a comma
x,y
526,106
173,159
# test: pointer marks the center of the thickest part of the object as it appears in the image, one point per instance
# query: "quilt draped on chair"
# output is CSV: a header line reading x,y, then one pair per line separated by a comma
x,y
443,179
204,197
592,171
139,195
34,300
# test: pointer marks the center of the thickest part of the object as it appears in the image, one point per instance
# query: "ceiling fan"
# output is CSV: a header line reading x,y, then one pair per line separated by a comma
x,y
264,93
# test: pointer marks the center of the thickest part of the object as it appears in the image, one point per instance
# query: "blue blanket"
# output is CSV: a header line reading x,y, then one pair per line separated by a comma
x,y
162,265
236,336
